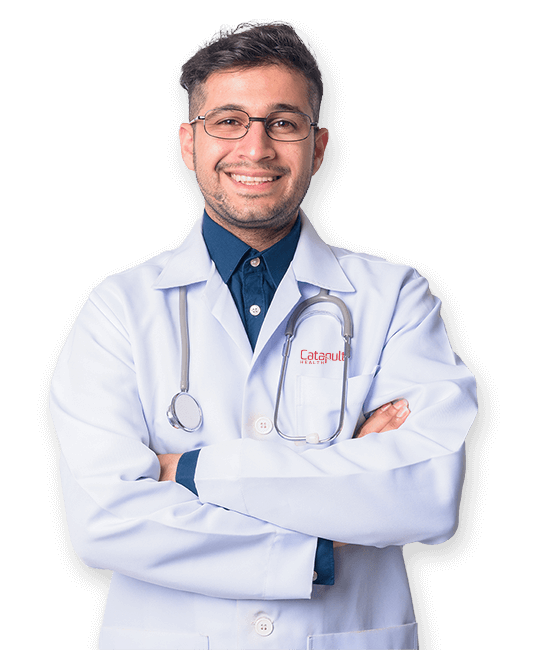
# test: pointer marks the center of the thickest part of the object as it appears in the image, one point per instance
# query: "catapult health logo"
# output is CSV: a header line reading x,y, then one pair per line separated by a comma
x,y
314,357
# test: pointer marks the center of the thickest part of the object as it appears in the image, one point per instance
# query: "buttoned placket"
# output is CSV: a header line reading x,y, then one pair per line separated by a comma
x,y
255,304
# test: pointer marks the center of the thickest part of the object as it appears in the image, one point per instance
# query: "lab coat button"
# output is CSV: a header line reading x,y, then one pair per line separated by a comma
x,y
263,626
263,425
254,310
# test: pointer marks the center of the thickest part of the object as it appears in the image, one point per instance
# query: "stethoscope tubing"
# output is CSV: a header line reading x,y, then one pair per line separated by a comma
x,y
190,403
290,329
192,406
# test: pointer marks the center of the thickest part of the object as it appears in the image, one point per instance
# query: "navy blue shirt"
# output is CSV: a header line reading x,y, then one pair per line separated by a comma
x,y
252,278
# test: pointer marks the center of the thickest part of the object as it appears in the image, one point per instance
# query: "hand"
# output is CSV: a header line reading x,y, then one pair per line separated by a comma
x,y
388,417
169,464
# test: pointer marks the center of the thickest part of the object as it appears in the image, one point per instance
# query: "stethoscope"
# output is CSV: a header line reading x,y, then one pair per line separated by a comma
x,y
185,412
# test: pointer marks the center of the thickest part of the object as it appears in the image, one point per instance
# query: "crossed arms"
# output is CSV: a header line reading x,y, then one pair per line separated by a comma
x,y
388,417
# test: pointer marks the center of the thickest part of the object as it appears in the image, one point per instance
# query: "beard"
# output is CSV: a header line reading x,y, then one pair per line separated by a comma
x,y
248,211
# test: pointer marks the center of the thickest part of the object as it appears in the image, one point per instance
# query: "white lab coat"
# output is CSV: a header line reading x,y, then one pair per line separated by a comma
x,y
233,568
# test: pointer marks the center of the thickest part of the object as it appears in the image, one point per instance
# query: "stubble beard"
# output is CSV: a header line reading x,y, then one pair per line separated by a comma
x,y
247,216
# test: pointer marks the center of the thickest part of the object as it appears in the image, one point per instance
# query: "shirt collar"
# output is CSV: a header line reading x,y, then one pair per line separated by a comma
x,y
227,251
314,262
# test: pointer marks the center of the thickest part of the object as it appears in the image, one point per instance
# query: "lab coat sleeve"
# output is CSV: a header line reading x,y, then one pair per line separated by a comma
x,y
121,517
385,488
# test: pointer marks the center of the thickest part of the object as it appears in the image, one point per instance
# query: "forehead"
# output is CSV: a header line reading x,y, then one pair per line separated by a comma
x,y
257,90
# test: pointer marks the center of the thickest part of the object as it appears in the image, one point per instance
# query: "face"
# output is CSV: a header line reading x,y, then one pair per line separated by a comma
x,y
254,182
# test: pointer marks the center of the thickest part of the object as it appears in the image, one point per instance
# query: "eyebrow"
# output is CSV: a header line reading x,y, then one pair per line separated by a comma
x,y
271,109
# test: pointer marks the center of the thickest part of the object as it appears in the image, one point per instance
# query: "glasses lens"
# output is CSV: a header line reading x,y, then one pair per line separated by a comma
x,y
230,125
288,126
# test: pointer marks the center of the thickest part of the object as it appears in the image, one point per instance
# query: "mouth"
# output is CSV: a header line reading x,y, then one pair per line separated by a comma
x,y
252,181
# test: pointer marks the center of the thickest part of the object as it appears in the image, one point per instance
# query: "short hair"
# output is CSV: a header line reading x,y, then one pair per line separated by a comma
x,y
252,45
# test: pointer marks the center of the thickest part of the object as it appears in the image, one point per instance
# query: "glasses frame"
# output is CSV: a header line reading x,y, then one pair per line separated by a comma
x,y
255,119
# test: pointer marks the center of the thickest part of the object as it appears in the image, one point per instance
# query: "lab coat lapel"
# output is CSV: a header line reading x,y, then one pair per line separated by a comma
x,y
315,264
190,264
223,308
286,297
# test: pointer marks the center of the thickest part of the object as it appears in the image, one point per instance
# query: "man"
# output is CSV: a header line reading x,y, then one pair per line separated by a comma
x,y
278,520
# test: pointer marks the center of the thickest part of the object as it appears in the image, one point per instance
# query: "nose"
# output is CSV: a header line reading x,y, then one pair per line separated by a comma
x,y
256,145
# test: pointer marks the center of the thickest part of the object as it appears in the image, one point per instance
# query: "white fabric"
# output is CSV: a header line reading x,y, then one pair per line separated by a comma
x,y
201,571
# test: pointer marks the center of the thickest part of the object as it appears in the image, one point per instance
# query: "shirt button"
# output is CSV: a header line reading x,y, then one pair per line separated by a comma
x,y
263,626
255,261
315,576
263,425
254,310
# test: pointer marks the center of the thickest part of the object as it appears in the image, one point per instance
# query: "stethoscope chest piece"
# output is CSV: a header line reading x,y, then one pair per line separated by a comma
x,y
185,413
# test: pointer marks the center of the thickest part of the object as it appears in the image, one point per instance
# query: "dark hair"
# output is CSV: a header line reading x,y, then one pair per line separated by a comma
x,y
252,45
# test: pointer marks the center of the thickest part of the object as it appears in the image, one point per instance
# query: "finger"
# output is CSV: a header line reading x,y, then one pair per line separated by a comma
x,y
376,421
388,417
401,413
401,408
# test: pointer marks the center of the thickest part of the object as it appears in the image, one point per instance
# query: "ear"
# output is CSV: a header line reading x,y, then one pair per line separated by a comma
x,y
321,139
186,140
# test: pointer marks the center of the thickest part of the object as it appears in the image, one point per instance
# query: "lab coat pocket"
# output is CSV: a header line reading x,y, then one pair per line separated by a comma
x,y
318,401
399,637
120,638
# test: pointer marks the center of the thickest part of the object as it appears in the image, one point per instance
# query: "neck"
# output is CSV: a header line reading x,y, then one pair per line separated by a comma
x,y
260,238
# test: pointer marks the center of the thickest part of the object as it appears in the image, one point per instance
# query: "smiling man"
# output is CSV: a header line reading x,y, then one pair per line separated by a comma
x,y
254,173
319,413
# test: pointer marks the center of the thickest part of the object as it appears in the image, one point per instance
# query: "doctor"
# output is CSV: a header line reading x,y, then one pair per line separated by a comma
x,y
232,537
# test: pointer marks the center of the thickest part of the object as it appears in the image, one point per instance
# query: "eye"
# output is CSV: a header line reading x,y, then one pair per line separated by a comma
x,y
227,121
281,124
288,126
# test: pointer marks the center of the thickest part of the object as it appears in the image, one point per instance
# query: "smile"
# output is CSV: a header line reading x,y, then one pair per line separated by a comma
x,y
253,180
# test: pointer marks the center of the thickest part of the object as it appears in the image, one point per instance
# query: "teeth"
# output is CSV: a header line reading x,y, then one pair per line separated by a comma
x,y
252,180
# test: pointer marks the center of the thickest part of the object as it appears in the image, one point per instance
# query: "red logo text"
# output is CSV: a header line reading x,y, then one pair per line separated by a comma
x,y
312,356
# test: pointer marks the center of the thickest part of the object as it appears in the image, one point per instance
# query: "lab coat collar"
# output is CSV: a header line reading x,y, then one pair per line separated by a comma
x,y
313,263
188,264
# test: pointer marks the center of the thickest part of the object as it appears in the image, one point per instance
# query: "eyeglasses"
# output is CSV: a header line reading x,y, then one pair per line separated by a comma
x,y
284,126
